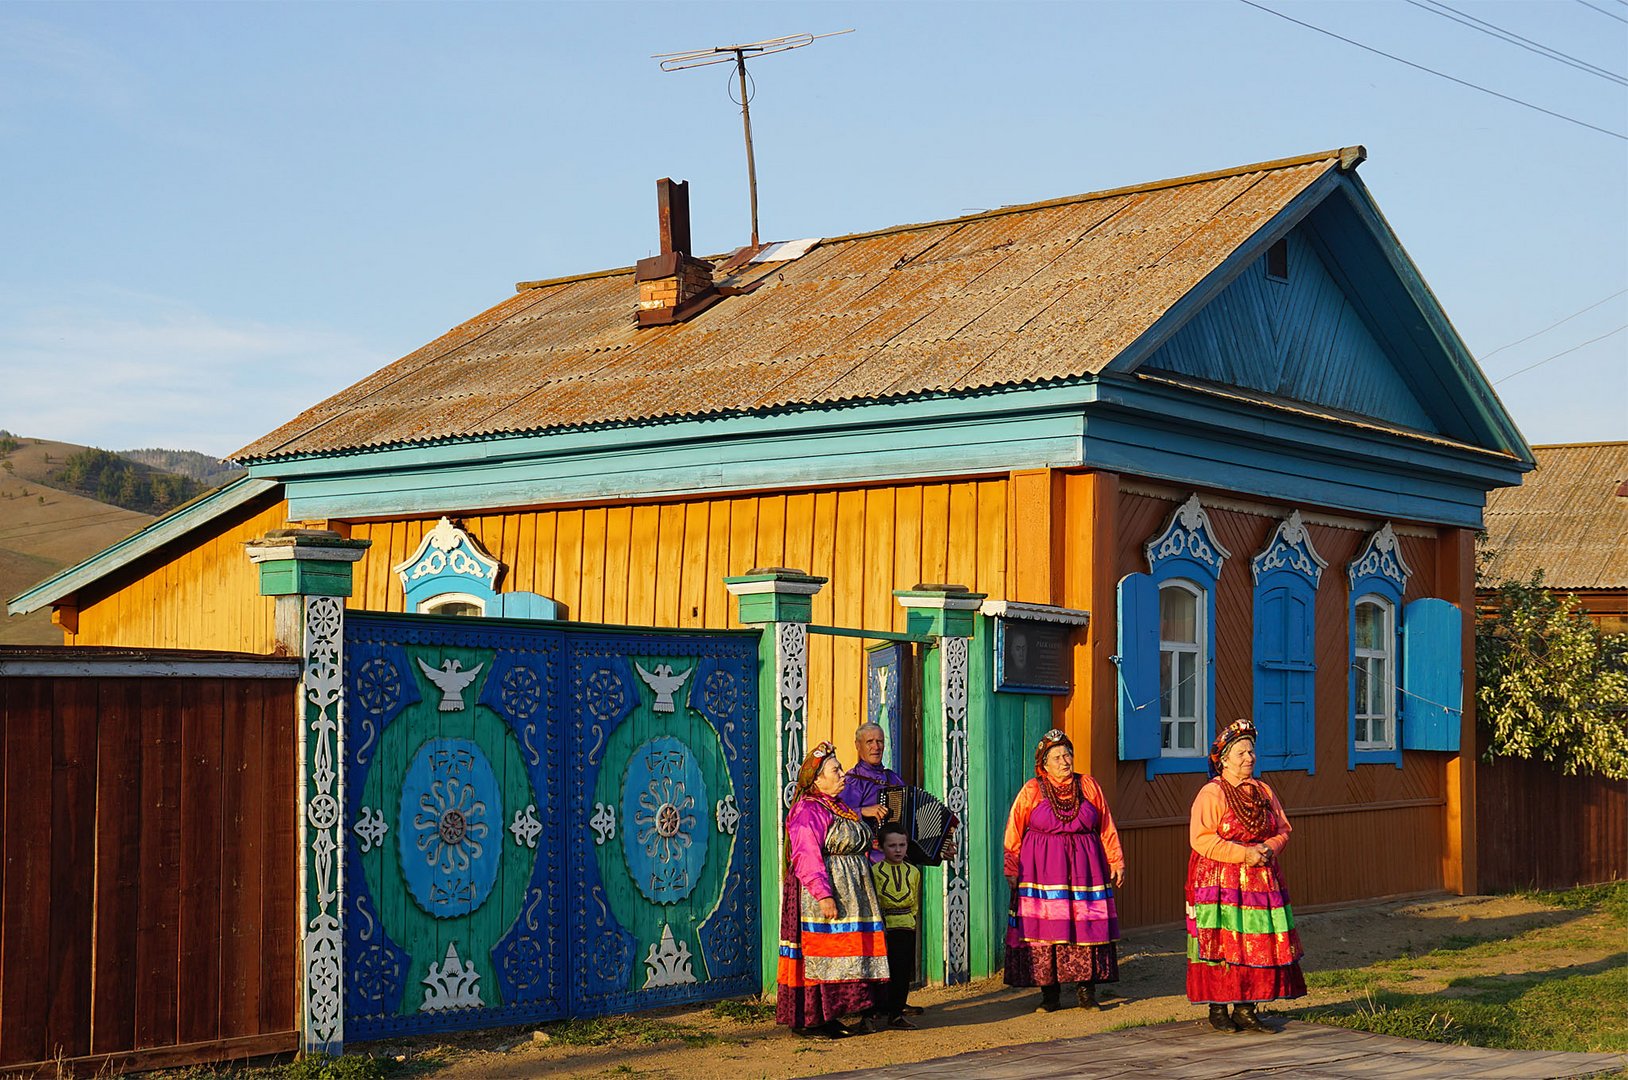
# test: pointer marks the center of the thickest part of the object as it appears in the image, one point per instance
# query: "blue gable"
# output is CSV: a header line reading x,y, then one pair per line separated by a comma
x,y
1298,337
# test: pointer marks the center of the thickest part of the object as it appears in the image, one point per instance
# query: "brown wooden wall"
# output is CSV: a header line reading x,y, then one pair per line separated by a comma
x,y
1542,829
148,872
1375,830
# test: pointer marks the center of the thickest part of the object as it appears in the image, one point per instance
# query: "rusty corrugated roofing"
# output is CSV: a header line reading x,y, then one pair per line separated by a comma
x,y
1566,519
1025,294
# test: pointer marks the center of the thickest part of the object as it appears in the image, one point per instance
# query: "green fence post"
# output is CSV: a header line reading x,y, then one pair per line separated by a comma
x,y
947,613
309,573
782,602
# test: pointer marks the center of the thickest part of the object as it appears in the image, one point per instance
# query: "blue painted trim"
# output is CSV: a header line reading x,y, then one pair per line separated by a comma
x,y
1206,576
150,538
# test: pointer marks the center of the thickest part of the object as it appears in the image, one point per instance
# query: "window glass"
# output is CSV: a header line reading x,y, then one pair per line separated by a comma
x,y
1178,615
1182,677
1374,664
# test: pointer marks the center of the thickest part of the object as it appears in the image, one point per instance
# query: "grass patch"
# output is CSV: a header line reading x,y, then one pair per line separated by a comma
x,y
1586,1011
749,1011
1343,979
1610,897
605,1030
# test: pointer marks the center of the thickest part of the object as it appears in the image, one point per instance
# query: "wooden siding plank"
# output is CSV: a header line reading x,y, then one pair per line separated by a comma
x,y
618,530
642,568
198,931
743,545
935,534
771,532
73,861
693,581
848,609
669,563
880,610
595,582
119,811
993,544
542,555
25,908
907,510
279,942
715,599
158,909
243,753
568,561
962,541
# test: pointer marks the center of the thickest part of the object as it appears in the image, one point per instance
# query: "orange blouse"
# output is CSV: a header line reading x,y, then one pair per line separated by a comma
x,y
1204,831
1031,795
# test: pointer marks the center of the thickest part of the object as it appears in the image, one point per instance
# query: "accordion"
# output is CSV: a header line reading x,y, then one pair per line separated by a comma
x,y
927,822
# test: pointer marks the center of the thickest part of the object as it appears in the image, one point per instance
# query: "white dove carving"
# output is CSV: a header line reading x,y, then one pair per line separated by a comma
x,y
664,683
451,681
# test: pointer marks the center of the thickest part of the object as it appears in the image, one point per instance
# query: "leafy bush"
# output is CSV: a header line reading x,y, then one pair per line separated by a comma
x,y
1550,684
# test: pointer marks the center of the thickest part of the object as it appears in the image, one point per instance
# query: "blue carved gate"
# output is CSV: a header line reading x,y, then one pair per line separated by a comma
x,y
545,820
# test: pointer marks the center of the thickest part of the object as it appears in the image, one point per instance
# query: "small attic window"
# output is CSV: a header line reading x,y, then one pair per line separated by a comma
x,y
1277,261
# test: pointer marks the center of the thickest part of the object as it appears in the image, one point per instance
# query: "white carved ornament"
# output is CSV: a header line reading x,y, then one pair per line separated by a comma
x,y
668,963
451,984
1189,534
1291,548
322,947
603,823
525,827
664,684
1382,557
451,681
371,828
447,547
957,894
791,689
728,815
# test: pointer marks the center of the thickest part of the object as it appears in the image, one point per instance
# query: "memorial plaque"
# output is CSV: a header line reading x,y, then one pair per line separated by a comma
x,y
1033,657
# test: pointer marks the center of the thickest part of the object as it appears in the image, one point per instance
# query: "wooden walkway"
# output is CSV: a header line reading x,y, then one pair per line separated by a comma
x,y
1299,1051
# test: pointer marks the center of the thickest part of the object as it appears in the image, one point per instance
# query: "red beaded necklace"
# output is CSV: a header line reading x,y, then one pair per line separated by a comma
x,y
1065,804
1250,806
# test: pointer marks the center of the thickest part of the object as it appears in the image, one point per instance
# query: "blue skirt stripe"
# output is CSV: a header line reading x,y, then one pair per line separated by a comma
x,y
855,926
1064,892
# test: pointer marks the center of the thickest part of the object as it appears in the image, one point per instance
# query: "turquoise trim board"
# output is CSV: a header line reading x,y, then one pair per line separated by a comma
x,y
1130,424
172,526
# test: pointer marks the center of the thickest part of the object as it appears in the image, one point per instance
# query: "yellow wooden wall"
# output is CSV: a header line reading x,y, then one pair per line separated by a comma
x,y
663,564
203,594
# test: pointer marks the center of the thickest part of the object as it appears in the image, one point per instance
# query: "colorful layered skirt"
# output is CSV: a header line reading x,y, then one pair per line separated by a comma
x,y
1241,940
1062,922
831,968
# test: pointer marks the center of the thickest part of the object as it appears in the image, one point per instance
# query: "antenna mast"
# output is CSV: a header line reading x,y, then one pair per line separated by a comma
x,y
723,54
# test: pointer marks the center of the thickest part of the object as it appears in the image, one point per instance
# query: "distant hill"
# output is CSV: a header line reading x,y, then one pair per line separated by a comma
x,y
45,529
209,471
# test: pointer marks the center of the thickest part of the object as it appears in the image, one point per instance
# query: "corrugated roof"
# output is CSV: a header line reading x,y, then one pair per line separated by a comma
x,y
1566,519
1020,295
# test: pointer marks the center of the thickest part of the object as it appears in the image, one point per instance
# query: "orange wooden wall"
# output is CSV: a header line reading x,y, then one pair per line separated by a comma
x,y
664,564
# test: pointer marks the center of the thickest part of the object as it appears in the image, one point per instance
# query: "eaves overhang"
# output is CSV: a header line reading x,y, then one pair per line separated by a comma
x,y
172,526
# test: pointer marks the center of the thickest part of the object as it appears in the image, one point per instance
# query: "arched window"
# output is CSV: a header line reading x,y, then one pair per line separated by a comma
x,y
1373,662
451,574
1167,647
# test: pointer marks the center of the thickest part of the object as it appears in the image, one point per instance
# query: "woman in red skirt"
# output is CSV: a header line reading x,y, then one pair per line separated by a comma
x,y
1242,947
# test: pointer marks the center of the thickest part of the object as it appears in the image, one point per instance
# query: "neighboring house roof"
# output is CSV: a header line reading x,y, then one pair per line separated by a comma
x,y
1030,294
1567,519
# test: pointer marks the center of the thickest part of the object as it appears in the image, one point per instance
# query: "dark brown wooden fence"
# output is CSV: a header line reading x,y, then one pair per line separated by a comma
x,y
1538,828
148,872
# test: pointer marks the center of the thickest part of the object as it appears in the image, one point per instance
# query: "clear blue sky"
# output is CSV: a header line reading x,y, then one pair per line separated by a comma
x,y
217,214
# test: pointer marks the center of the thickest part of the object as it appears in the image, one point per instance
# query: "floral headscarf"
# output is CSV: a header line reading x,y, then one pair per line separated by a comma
x,y
812,764
1054,737
1234,732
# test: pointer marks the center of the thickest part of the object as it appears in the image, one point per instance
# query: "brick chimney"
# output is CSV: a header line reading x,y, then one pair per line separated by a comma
x,y
673,285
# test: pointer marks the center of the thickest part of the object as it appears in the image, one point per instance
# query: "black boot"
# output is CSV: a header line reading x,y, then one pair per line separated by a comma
x,y
1243,1014
1220,1021
1051,998
1087,993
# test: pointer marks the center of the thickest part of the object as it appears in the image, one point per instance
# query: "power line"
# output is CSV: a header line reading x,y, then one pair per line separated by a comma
x,y
1439,74
1464,18
1558,355
1602,11
1486,356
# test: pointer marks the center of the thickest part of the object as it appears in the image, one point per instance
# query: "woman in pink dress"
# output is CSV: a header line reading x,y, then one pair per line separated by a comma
x,y
1063,863
1242,947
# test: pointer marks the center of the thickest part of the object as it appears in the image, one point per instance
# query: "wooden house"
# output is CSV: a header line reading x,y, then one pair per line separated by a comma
x,y
1221,414
1569,519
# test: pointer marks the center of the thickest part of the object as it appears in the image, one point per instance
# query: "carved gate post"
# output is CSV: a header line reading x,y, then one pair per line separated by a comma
x,y
309,572
947,612
782,601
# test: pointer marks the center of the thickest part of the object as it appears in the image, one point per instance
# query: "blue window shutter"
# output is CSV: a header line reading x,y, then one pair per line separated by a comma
x,y
1138,668
1285,673
1432,675
524,605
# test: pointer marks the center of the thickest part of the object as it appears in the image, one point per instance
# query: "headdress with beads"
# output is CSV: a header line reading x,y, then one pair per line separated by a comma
x,y
1232,733
1054,737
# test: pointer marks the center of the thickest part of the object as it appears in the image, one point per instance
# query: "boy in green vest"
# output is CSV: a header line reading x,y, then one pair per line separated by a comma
x,y
898,889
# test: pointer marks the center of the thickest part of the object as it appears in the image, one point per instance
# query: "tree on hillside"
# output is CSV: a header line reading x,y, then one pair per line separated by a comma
x,y
107,477
1550,685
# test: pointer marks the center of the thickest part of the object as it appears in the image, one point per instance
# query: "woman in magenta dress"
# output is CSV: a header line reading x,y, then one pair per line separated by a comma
x,y
1063,862
1242,947
833,944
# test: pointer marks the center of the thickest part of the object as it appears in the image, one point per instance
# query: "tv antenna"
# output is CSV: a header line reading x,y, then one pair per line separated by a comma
x,y
738,54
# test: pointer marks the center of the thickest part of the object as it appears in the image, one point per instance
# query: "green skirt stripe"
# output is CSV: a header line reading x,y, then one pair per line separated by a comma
x,y
1244,920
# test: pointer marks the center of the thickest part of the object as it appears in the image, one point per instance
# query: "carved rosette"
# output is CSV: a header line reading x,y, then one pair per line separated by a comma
x,y
322,789
957,895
